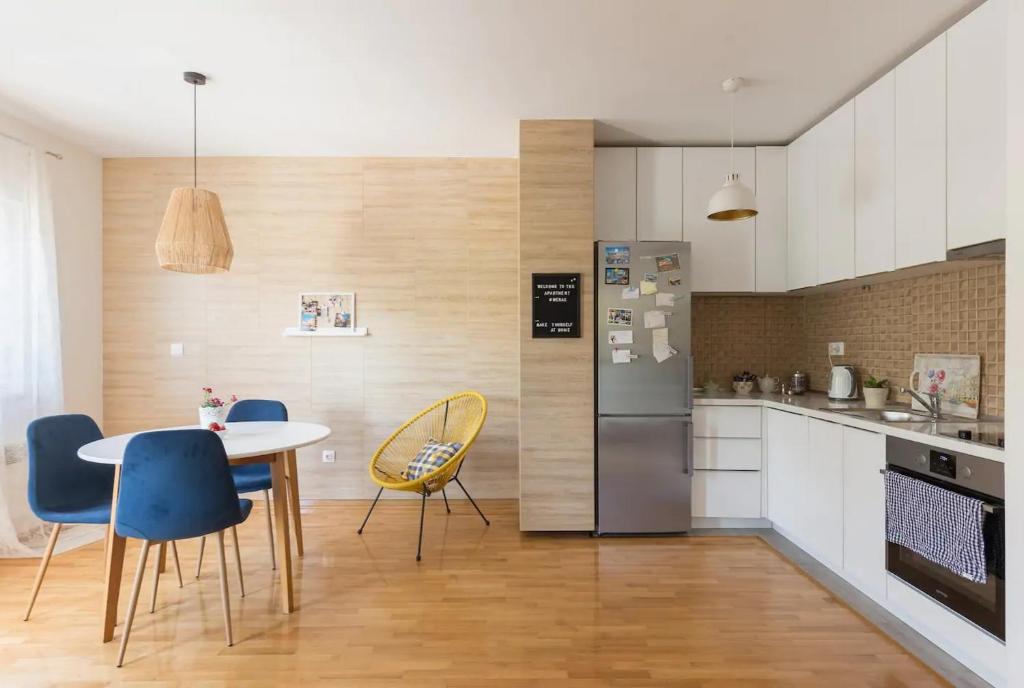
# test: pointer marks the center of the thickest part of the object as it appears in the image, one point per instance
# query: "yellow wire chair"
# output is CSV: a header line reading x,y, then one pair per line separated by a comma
x,y
457,418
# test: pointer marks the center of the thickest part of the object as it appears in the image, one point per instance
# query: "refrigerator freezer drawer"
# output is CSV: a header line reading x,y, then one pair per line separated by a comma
x,y
644,474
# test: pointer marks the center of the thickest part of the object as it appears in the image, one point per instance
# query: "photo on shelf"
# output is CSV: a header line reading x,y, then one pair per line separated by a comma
x,y
620,316
616,255
326,311
616,276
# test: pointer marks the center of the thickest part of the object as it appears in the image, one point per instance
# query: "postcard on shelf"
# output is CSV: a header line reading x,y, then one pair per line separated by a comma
x,y
327,311
653,319
616,255
662,349
620,337
616,276
665,299
622,355
620,316
669,263
630,293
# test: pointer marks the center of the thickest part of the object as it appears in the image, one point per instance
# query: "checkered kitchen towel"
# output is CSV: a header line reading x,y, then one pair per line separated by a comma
x,y
941,525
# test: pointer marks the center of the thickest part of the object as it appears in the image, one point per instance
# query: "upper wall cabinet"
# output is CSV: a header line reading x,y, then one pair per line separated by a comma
x,y
836,246
802,197
723,252
659,194
615,194
770,223
874,183
976,135
920,210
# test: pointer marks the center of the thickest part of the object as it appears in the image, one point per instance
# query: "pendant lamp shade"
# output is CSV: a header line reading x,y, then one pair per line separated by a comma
x,y
734,201
193,236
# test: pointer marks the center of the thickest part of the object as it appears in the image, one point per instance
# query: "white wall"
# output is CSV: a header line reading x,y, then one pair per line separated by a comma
x,y
77,189
1015,342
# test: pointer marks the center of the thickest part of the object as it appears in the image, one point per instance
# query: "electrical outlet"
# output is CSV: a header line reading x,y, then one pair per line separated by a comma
x,y
836,348
328,456
177,349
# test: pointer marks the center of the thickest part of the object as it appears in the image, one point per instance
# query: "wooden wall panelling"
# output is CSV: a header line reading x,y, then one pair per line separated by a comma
x,y
428,245
556,420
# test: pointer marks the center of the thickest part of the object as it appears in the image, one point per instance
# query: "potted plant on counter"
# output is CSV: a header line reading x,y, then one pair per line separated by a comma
x,y
876,392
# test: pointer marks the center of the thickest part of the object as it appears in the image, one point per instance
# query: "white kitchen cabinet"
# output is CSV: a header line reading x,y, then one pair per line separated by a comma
x,y
615,194
976,126
722,253
874,177
785,452
802,212
727,421
835,172
727,454
920,180
771,221
659,194
864,511
726,494
821,482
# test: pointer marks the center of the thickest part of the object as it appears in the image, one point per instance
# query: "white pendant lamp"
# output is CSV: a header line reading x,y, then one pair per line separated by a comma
x,y
193,235
735,200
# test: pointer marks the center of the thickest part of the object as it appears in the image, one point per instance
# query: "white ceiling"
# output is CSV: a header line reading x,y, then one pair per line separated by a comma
x,y
440,77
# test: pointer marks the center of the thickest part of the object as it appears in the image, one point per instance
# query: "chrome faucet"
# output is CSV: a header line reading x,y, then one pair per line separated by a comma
x,y
933,402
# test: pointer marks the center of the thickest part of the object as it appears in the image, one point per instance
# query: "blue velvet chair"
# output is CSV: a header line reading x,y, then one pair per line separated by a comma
x,y
176,484
62,488
252,477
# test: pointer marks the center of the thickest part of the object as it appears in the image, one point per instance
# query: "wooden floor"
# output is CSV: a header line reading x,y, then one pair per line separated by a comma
x,y
485,607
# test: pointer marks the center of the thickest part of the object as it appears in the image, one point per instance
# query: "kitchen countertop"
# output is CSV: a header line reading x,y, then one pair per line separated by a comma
x,y
818,405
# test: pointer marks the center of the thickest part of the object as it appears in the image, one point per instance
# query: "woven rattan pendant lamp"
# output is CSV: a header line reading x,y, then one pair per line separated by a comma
x,y
193,236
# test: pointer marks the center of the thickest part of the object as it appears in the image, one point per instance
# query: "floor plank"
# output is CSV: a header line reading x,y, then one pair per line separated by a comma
x,y
486,606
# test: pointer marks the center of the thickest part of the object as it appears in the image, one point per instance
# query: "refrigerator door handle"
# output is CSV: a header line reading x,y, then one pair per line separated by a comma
x,y
689,382
688,449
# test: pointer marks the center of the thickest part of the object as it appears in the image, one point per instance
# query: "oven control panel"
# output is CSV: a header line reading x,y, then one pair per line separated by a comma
x,y
942,463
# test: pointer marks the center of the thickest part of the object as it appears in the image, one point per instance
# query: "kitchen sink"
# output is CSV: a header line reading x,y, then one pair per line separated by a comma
x,y
883,415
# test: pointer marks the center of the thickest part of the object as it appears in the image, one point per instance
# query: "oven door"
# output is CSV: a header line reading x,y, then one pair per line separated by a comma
x,y
983,604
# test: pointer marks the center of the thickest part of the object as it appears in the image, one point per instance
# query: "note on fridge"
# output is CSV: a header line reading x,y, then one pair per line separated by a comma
x,y
622,355
648,287
629,293
665,299
662,349
620,337
654,319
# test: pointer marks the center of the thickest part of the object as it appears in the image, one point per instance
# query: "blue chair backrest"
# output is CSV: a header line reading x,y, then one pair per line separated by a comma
x,y
57,479
175,484
257,409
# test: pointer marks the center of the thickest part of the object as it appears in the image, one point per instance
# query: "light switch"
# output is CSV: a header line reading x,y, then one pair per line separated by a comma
x,y
177,349
328,456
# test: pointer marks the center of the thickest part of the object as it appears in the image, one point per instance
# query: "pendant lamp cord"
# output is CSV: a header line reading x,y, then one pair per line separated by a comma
x,y
732,131
195,164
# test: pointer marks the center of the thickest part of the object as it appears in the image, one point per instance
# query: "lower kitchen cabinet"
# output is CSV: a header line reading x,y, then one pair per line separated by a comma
x,y
822,484
864,511
726,494
785,438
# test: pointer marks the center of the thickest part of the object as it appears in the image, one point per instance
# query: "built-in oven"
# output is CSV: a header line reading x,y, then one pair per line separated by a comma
x,y
983,604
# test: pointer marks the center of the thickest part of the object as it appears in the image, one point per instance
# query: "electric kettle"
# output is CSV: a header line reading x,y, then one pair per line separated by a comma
x,y
842,382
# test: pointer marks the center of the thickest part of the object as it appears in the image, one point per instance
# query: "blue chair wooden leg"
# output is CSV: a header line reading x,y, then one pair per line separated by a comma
x,y
423,506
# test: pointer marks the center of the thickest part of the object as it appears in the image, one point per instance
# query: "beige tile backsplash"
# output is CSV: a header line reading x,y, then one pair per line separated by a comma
x,y
882,325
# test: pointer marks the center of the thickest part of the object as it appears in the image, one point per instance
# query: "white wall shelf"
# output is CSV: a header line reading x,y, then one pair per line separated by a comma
x,y
354,332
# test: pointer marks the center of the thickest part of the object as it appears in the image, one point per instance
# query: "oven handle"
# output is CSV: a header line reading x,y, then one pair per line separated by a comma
x,y
987,508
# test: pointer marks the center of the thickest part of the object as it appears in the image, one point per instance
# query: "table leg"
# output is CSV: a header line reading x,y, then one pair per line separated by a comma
x,y
113,566
284,553
293,500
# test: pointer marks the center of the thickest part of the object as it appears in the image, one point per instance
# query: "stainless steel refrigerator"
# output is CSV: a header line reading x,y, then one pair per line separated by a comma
x,y
643,424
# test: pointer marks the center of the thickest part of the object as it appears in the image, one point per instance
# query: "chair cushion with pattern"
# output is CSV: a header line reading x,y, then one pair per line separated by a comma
x,y
433,455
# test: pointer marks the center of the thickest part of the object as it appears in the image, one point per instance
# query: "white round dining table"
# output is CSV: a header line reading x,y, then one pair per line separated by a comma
x,y
269,442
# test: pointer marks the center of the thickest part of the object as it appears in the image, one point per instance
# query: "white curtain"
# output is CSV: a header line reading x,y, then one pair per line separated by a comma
x,y
30,356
